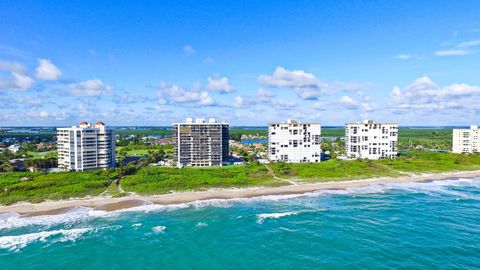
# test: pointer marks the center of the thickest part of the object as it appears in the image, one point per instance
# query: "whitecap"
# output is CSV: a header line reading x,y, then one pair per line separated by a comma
x,y
201,224
261,217
159,229
17,242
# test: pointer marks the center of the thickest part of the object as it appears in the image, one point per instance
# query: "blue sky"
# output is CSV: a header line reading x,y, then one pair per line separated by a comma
x,y
246,62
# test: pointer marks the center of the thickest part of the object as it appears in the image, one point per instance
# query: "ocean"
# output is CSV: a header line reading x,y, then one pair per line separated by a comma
x,y
432,225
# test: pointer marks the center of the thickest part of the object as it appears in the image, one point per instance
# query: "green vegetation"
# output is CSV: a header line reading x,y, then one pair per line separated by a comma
x,y
162,180
37,187
410,138
430,162
145,132
42,155
332,170
143,150
412,162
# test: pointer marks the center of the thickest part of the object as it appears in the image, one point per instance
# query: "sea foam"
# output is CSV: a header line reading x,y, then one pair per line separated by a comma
x,y
17,242
261,217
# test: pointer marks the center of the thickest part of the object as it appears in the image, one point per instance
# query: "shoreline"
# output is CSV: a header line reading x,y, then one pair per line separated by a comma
x,y
113,204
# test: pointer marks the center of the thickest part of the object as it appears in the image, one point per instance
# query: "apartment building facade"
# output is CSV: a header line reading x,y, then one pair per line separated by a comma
x,y
200,143
371,140
86,147
466,140
294,142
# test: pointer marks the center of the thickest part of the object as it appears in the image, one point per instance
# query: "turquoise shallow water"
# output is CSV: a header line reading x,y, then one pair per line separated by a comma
x,y
433,225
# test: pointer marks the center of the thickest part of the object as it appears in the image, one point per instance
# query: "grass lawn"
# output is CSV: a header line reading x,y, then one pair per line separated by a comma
x,y
141,150
138,152
42,155
155,180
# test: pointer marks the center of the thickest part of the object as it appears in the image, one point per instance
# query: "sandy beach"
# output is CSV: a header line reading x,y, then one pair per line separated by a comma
x,y
112,204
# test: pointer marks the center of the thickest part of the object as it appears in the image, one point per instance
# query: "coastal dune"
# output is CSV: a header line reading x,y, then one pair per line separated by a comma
x,y
113,204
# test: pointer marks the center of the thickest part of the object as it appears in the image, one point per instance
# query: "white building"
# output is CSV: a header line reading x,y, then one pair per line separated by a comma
x,y
14,148
200,143
294,142
371,140
86,147
466,140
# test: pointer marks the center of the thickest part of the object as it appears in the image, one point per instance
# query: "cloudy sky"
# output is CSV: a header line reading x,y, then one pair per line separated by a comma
x,y
246,62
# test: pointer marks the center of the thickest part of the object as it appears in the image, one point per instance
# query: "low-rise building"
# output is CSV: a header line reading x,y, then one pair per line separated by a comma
x,y
466,140
200,143
292,141
14,148
86,147
371,140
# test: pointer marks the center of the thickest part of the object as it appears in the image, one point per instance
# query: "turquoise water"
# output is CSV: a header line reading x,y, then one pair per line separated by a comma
x,y
433,225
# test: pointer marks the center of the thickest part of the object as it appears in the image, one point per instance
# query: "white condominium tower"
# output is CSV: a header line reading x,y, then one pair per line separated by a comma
x,y
294,142
86,147
466,140
200,143
371,140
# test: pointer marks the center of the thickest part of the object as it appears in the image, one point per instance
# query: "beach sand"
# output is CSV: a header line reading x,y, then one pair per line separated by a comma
x,y
112,204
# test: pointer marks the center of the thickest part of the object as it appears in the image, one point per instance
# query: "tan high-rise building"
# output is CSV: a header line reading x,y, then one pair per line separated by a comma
x,y
199,143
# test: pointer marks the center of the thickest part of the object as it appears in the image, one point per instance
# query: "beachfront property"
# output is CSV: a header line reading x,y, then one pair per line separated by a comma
x,y
200,143
466,140
371,140
292,141
86,147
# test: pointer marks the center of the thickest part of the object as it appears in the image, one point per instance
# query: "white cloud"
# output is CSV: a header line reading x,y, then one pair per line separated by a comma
x,y
238,102
219,84
453,52
347,101
403,56
19,80
47,71
12,67
425,95
189,50
306,85
319,106
468,44
90,88
352,104
284,104
22,81
171,93
264,94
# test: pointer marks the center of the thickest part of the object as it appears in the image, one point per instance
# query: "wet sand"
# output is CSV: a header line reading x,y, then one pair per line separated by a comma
x,y
112,204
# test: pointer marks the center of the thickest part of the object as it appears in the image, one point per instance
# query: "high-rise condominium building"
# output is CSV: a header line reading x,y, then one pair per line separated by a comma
x,y
200,143
371,140
294,142
86,147
466,140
